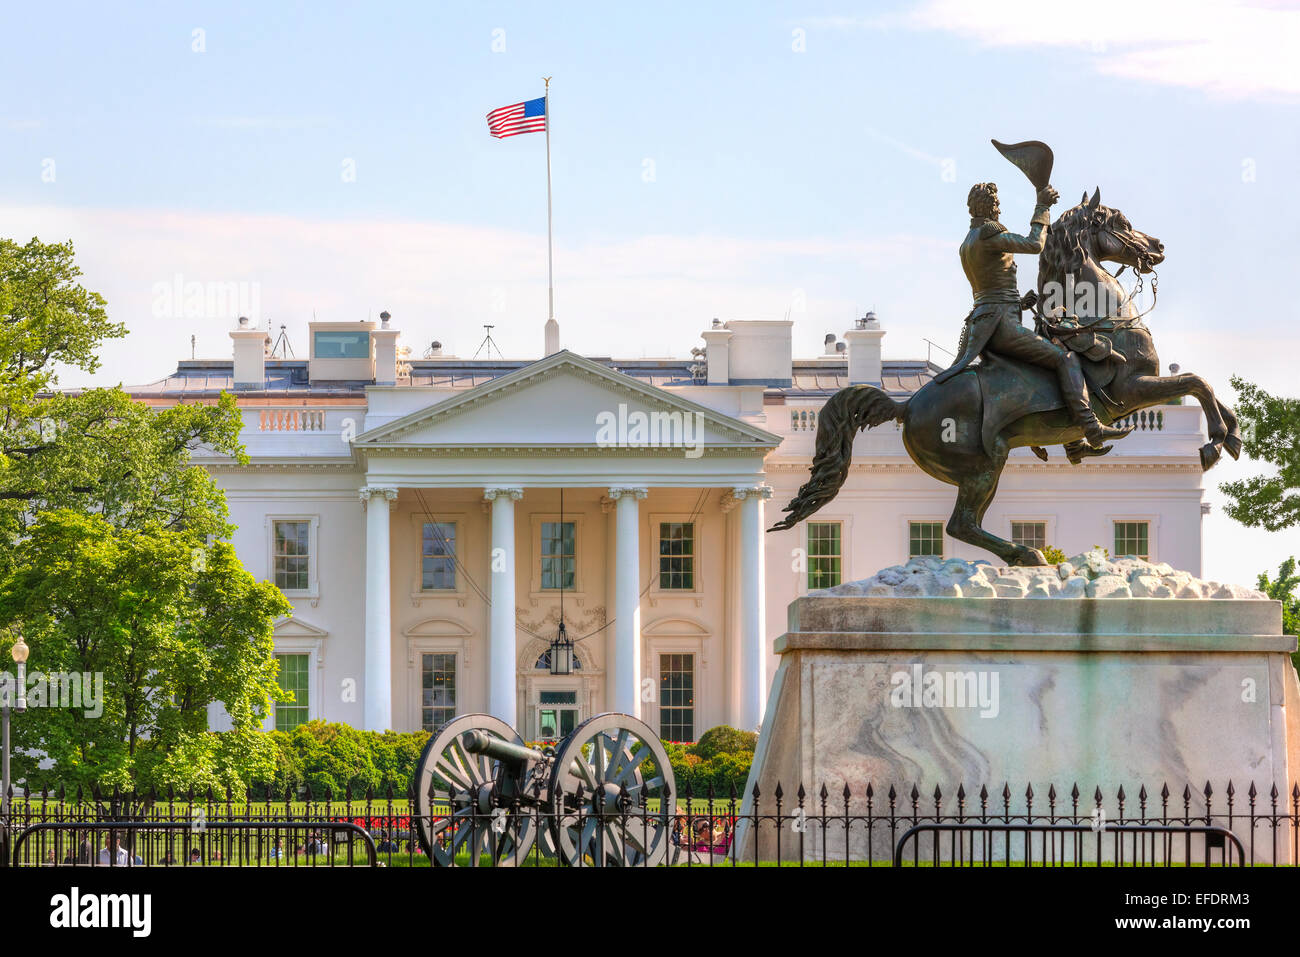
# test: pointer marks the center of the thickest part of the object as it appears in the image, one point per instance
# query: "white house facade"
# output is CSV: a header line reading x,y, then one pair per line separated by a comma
x,y
431,519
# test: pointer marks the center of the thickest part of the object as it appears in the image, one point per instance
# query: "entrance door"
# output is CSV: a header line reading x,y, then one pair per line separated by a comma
x,y
557,714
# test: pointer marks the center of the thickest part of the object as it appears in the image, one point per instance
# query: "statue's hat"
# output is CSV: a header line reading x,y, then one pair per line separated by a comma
x,y
1034,158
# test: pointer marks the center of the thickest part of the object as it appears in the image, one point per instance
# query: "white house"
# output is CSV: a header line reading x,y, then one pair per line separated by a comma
x,y
427,517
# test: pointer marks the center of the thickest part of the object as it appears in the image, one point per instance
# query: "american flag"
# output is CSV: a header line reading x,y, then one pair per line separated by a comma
x,y
526,117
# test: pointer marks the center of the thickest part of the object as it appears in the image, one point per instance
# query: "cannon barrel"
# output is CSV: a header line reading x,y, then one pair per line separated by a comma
x,y
480,742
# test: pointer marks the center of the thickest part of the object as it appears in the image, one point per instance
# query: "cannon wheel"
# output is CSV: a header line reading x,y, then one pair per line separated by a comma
x,y
444,768
597,788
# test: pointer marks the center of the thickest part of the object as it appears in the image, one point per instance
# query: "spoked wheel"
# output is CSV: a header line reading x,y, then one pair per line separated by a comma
x,y
448,773
599,792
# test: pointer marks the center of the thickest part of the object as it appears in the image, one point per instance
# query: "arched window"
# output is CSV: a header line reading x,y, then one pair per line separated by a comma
x,y
544,662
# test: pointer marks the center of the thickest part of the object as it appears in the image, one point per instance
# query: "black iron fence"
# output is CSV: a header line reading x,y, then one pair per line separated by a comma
x,y
828,827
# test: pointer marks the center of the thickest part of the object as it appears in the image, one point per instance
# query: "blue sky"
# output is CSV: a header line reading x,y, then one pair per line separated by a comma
x,y
742,160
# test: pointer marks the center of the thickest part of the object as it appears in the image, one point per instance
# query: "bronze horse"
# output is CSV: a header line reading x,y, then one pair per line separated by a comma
x,y
961,431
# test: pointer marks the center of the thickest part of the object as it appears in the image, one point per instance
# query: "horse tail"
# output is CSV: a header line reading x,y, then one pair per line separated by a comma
x,y
847,413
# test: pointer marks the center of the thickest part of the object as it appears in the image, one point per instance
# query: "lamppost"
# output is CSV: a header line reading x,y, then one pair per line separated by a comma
x,y
20,652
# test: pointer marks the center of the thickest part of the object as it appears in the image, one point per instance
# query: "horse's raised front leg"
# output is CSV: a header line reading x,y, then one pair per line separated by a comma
x,y
973,497
1144,391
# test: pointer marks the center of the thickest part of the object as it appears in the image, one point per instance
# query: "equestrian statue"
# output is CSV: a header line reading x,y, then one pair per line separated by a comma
x,y
1088,362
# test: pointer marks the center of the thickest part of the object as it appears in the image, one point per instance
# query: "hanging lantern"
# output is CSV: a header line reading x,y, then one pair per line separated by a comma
x,y
561,652
561,647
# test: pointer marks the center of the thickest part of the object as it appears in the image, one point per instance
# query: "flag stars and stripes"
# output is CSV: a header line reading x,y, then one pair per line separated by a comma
x,y
526,117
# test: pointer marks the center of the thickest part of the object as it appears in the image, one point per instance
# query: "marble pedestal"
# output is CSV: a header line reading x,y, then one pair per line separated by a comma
x,y
1099,692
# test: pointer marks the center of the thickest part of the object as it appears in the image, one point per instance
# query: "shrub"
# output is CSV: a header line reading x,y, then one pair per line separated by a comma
x,y
724,740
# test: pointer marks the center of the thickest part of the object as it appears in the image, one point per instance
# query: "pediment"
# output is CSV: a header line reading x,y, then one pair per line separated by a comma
x,y
674,627
566,400
439,628
297,628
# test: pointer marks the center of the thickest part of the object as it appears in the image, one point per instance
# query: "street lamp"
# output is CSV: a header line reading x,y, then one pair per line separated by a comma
x,y
19,652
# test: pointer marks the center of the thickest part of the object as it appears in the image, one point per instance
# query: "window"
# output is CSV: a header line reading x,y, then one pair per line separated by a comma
x,y
677,555
437,690
1132,538
824,554
342,345
557,715
291,555
1029,534
559,562
292,679
438,556
544,662
677,697
925,538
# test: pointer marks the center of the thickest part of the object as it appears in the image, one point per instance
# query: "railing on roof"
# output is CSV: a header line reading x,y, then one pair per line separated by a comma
x,y
803,420
291,420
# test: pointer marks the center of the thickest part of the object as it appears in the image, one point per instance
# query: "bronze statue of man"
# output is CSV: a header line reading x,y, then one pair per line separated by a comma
x,y
987,256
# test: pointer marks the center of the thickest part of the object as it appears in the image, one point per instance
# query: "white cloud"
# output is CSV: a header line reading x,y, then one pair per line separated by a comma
x,y
649,295
1227,48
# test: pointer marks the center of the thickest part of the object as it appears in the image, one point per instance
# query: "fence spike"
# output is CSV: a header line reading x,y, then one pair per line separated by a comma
x,y
823,793
1120,794
778,793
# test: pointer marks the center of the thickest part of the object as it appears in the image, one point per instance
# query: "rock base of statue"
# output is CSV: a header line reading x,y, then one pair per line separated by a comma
x,y
928,687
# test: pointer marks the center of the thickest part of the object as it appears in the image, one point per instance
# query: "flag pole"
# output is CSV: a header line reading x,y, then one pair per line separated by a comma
x,y
550,268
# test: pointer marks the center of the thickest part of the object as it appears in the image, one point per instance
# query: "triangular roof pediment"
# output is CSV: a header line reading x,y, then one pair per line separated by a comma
x,y
297,628
570,401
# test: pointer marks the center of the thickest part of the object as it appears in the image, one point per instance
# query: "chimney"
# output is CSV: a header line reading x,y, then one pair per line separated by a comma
x,y
759,352
385,340
864,351
717,349
435,350
830,343
250,356
552,337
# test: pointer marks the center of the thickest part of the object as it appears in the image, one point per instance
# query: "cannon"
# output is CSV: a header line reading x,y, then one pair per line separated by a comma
x,y
601,797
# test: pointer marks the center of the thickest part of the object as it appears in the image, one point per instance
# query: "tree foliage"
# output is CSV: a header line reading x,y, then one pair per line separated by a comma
x,y
113,560
1282,588
1271,433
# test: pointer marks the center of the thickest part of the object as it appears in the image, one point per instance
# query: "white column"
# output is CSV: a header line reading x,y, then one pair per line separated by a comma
x,y
378,501
624,688
753,598
502,701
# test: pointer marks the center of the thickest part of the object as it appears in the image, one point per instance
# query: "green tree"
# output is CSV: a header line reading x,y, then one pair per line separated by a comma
x,y
171,624
112,559
1271,431
1282,588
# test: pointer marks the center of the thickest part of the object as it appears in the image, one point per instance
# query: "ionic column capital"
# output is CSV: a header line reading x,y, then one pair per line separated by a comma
x,y
638,493
741,492
496,492
367,492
